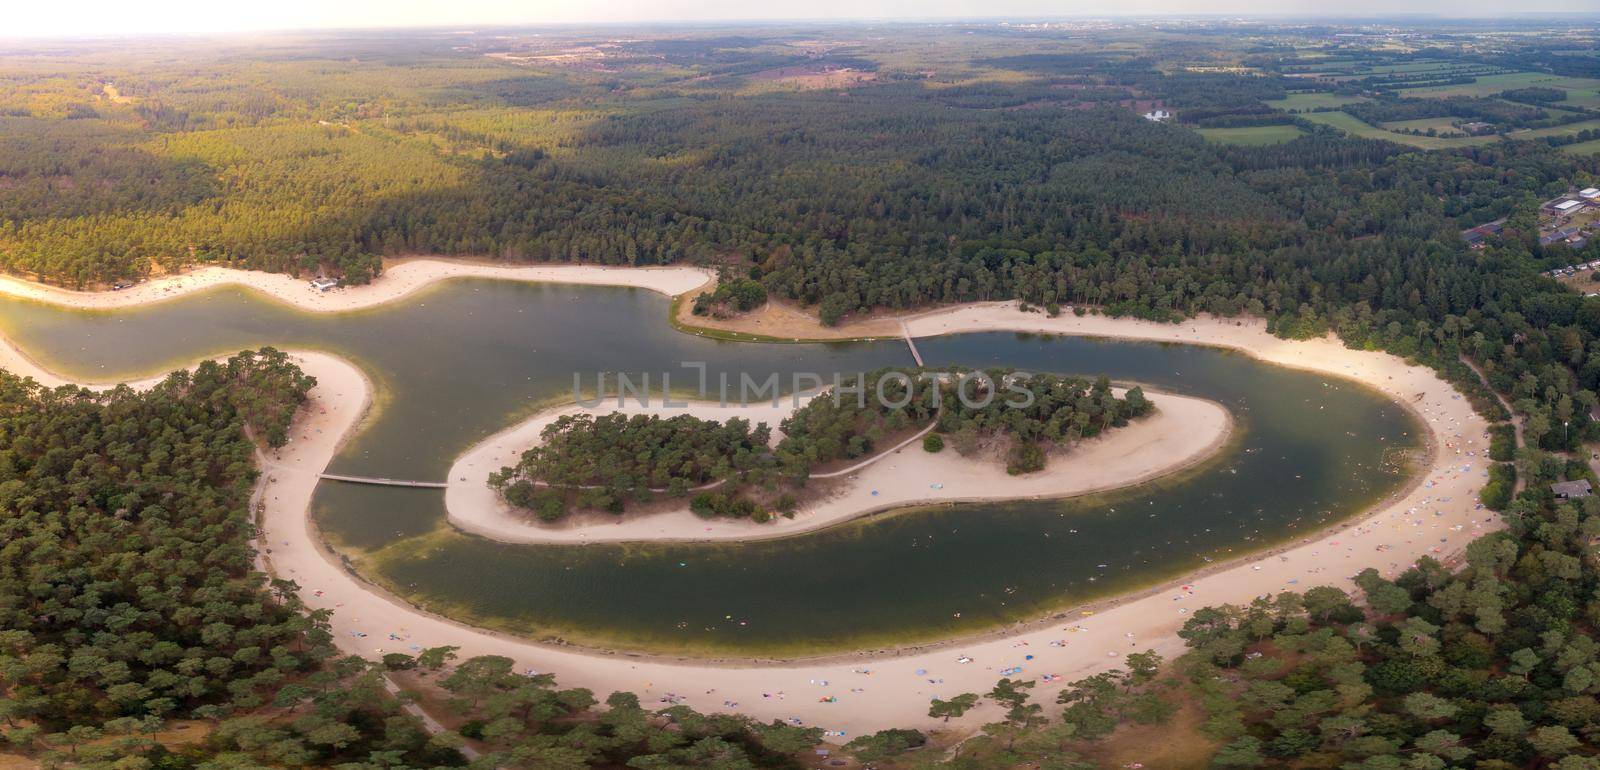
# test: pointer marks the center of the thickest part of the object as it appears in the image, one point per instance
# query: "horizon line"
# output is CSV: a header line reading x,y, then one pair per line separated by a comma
x,y
1592,16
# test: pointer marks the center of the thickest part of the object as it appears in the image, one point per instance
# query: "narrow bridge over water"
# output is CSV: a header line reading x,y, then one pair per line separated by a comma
x,y
916,355
383,482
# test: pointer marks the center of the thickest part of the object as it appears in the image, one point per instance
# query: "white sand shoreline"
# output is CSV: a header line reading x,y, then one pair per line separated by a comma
x,y
1437,517
1182,432
398,281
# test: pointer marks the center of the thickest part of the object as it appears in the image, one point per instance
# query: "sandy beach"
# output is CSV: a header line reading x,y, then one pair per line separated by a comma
x,y
1182,432
400,278
1437,516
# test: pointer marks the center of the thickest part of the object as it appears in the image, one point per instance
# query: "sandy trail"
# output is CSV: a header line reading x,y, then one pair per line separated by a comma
x,y
1438,516
1182,432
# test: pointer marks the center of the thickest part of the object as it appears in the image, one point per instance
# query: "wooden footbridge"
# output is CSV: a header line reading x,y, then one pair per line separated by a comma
x,y
387,482
383,482
916,355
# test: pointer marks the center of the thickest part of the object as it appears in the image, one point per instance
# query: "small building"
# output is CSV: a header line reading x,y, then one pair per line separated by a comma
x,y
1568,207
1589,193
1478,128
324,284
1158,116
1476,235
1572,490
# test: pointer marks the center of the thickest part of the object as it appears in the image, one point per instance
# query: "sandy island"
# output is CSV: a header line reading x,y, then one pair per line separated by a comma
x,y
1437,516
1182,432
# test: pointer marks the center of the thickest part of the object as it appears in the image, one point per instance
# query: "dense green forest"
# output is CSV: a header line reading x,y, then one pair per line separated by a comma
x,y
1494,666
602,462
933,165
125,568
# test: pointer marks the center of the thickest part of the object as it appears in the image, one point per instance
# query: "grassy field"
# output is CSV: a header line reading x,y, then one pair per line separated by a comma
x,y
1314,101
1566,130
1353,125
1439,125
1583,148
1583,96
1409,67
1581,92
1252,135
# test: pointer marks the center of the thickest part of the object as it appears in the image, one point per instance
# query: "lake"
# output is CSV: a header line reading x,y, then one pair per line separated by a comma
x,y
468,357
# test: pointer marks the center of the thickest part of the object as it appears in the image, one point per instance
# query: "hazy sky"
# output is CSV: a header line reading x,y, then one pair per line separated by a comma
x,y
101,17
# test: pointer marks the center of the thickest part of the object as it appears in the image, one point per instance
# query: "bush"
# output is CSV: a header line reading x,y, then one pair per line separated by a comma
x,y
546,504
884,744
1502,442
1496,494
703,505
1024,457
709,505
741,295
933,443
399,661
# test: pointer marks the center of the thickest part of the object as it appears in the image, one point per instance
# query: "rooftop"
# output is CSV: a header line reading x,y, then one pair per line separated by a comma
x,y
1571,489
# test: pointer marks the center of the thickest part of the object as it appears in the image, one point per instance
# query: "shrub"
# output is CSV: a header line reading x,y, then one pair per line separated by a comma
x,y
933,443
1502,442
1496,494
1024,457
399,661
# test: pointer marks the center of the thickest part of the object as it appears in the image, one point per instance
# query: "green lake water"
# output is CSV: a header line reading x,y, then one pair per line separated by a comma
x,y
469,357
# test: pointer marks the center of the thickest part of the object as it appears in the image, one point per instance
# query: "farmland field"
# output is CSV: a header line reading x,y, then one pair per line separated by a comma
x,y
1583,148
1581,90
1566,130
1355,126
1584,96
1416,67
1439,125
1314,101
1251,135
